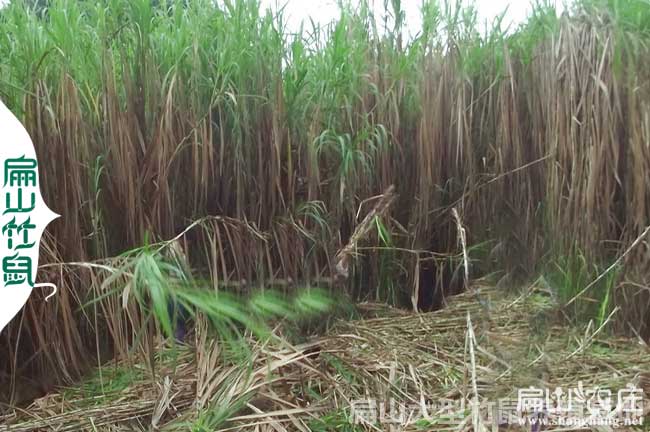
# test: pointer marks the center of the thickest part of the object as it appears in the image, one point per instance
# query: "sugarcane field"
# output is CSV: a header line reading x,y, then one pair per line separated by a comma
x,y
324,215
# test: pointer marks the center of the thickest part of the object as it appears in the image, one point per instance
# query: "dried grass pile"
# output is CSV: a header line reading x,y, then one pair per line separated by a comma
x,y
483,344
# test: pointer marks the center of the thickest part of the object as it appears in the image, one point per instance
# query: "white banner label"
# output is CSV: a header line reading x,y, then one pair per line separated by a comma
x,y
23,216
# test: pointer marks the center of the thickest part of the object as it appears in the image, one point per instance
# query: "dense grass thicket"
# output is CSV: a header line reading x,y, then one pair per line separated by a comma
x,y
147,118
